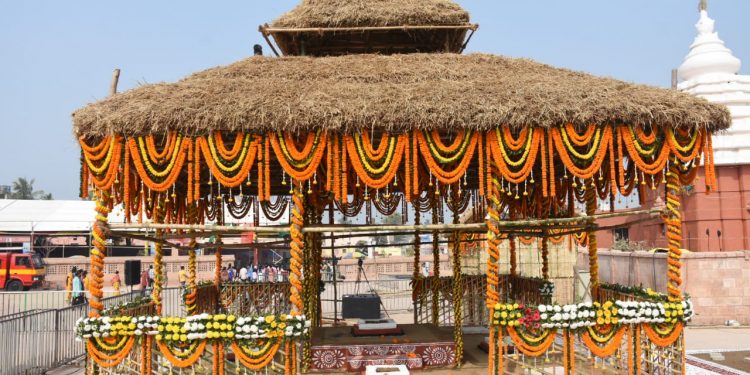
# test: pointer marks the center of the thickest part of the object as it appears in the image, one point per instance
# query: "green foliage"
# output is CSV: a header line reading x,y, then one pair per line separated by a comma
x,y
24,189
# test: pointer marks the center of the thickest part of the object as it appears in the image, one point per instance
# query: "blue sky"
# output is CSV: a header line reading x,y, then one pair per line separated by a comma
x,y
56,56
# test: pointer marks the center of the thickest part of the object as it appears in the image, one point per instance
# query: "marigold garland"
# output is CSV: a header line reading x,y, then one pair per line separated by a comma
x,y
296,252
99,232
609,347
185,358
547,338
434,156
673,221
661,339
104,360
256,360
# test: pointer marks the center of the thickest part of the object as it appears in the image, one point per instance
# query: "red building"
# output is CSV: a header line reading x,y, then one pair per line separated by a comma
x,y
719,221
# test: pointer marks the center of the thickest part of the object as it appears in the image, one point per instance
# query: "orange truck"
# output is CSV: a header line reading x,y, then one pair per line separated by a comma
x,y
21,271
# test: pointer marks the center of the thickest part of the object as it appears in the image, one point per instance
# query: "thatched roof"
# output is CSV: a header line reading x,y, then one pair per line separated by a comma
x,y
398,92
358,13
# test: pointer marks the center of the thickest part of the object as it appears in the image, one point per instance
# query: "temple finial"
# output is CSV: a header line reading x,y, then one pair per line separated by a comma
x,y
703,5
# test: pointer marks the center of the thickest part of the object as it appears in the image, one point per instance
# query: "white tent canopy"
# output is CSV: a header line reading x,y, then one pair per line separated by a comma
x,y
49,215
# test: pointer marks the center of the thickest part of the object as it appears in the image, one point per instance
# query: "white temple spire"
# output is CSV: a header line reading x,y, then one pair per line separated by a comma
x,y
711,71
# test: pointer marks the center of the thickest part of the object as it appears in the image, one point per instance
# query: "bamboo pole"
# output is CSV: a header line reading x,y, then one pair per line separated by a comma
x,y
262,29
525,224
115,81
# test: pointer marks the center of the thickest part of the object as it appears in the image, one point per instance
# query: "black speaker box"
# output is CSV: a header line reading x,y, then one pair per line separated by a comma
x,y
360,306
132,272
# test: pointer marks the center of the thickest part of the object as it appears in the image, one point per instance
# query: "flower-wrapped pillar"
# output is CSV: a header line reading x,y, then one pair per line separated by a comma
x,y
99,232
590,195
673,220
493,279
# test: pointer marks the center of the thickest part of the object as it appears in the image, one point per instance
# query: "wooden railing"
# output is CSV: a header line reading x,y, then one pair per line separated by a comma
x,y
474,309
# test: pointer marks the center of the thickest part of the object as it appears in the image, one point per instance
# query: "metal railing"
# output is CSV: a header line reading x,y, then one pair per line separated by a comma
x,y
19,302
36,340
394,294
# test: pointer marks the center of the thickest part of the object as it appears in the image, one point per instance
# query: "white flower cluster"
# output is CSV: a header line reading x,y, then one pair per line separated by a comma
x,y
259,327
116,326
618,312
567,316
631,312
195,326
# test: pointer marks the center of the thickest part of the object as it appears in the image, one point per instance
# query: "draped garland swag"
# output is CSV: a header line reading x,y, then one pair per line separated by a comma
x,y
533,172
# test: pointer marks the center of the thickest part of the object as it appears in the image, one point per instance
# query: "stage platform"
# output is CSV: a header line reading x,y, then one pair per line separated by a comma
x,y
334,349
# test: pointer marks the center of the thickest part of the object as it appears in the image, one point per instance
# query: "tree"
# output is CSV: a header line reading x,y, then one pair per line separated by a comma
x,y
24,189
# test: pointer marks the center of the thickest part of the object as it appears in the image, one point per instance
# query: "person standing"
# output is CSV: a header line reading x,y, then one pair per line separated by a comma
x,y
231,272
77,293
243,274
151,275
144,282
85,279
182,277
116,283
254,275
69,284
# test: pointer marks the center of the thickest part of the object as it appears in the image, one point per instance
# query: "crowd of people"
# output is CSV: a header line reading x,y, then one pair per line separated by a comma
x,y
78,283
254,274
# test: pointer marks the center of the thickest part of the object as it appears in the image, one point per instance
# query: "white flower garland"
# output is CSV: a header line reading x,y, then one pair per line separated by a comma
x,y
195,327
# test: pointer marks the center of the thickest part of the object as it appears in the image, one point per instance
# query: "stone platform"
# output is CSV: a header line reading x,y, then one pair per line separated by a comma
x,y
335,349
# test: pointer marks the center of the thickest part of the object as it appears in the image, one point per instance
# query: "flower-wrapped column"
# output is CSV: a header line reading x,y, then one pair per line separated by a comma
x,y
435,267
545,256
99,232
493,277
673,221
191,298
295,268
458,294
416,272
158,265
590,196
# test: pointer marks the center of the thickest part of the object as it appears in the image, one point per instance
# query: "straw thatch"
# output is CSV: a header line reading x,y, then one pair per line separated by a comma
x,y
399,92
359,13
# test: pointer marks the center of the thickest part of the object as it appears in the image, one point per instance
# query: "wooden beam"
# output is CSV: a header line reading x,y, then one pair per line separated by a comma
x,y
321,30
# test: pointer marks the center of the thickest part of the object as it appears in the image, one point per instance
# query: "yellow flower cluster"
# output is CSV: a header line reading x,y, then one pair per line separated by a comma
x,y
221,327
606,313
506,314
673,312
122,326
172,329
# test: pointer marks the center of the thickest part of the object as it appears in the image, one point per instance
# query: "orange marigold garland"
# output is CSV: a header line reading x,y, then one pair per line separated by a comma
x,y
375,173
105,360
183,359
670,335
296,252
592,244
544,339
609,346
459,154
99,232
673,221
